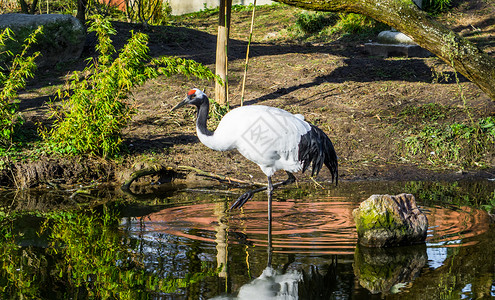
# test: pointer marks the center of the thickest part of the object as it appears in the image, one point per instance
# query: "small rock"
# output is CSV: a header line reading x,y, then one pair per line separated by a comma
x,y
393,43
390,50
384,220
394,37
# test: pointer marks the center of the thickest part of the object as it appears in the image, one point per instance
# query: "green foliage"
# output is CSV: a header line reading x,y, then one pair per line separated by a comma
x,y
454,144
314,22
350,23
55,38
217,110
425,113
154,12
96,108
436,6
242,8
12,79
328,25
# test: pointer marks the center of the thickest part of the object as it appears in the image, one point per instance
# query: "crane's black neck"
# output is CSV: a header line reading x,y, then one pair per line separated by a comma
x,y
202,116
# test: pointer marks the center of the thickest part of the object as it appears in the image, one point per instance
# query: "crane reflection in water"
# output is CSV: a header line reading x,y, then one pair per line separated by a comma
x,y
297,253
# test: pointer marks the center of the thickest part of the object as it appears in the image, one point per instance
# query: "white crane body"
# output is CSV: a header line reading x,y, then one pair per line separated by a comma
x,y
271,137
267,136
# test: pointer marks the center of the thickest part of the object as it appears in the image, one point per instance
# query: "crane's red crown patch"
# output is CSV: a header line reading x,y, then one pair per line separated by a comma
x,y
191,92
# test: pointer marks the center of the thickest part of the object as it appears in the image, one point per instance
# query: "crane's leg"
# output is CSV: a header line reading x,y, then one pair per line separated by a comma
x,y
269,192
269,249
249,194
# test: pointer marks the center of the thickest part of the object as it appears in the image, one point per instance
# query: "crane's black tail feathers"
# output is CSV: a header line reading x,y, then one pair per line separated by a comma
x,y
316,149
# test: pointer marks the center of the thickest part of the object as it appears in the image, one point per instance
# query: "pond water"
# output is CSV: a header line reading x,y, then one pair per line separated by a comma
x,y
185,244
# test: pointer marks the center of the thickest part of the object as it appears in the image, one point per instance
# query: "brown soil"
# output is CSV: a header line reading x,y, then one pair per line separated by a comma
x,y
354,98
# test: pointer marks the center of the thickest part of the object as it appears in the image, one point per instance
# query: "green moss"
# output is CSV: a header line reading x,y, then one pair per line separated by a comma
x,y
378,218
56,37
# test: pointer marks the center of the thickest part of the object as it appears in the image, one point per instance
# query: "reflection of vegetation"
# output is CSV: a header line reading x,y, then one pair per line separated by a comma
x,y
87,257
386,270
490,204
475,194
448,280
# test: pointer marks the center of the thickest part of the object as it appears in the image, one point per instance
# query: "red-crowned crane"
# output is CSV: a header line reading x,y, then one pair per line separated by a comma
x,y
271,137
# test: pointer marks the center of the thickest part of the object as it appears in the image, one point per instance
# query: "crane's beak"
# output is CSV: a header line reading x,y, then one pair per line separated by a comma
x,y
180,104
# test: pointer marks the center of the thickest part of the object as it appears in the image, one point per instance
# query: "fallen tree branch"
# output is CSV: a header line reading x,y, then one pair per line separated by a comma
x,y
156,170
461,54
217,176
205,191
143,172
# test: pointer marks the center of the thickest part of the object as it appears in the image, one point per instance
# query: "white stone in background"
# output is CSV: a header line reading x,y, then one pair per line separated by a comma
x,y
394,43
394,37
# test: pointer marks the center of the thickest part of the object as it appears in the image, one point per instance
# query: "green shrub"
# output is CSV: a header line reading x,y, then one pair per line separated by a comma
x,y
453,144
424,113
310,23
15,69
350,23
95,108
436,6
154,12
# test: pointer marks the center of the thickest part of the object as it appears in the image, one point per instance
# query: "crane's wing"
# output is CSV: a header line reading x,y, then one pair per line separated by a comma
x,y
266,135
316,149
276,139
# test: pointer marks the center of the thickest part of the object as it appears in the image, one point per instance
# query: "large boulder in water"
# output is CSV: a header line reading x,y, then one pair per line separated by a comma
x,y
384,220
62,40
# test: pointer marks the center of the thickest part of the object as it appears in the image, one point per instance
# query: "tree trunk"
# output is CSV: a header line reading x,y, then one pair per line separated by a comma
x,y
33,7
24,6
81,11
403,15
221,91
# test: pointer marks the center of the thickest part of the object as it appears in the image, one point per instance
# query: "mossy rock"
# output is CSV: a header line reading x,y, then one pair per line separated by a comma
x,y
384,220
62,40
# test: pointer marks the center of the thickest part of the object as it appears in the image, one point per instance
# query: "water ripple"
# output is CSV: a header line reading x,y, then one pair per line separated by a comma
x,y
324,226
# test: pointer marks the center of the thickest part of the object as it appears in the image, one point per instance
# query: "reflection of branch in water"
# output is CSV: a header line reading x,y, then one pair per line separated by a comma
x,y
221,239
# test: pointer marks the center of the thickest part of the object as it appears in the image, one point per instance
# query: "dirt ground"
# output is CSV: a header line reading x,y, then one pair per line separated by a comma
x,y
356,99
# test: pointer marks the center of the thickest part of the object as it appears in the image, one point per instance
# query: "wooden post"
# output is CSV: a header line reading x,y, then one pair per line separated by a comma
x,y
221,91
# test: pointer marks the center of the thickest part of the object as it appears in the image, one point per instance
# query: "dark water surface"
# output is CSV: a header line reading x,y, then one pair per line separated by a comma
x,y
187,245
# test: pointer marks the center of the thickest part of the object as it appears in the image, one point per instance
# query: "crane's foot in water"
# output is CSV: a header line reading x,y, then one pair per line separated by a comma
x,y
249,194
242,200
